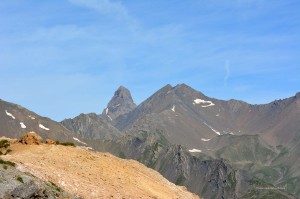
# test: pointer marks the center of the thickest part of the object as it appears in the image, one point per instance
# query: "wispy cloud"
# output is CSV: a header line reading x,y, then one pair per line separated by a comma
x,y
227,72
103,6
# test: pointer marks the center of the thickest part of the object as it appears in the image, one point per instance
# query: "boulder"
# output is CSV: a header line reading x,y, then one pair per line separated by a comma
x,y
31,138
50,142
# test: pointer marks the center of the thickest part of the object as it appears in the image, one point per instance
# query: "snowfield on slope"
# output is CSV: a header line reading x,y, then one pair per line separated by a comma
x,y
200,101
76,139
43,127
9,114
195,151
23,126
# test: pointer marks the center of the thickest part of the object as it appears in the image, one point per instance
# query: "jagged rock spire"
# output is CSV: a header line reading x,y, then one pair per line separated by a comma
x,y
120,104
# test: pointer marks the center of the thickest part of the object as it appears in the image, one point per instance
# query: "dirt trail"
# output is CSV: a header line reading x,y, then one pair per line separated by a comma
x,y
93,174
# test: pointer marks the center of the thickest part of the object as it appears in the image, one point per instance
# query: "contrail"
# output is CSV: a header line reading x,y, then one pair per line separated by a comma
x,y
227,74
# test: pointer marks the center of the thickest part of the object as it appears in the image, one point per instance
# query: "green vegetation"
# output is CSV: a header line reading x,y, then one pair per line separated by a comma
x,y
66,143
258,183
231,182
283,152
180,180
202,157
20,179
7,162
264,194
156,146
55,187
4,144
122,155
250,153
292,185
269,174
7,151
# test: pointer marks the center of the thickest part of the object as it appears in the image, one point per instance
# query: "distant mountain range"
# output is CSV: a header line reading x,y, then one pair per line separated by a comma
x,y
215,148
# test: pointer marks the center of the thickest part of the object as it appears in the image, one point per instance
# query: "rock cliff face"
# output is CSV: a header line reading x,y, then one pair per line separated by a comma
x,y
92,126
14,183
201,174
17,184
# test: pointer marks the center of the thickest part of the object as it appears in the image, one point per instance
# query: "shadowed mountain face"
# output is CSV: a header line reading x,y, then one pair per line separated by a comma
x,y
188,117
92,126
201,174
120,104
256,138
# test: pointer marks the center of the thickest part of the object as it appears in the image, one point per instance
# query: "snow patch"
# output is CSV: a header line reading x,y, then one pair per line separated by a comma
x,y
106,111
22,125
226,132
76,139
9,114
205,140
116,106
218,115
31,117
217,132
43,127
109,117
195,151
173,108
200,101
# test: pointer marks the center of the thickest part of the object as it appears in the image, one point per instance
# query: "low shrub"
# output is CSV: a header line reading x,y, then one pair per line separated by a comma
x,y
57,188
4,144
7,162
20,179
7,151
67,144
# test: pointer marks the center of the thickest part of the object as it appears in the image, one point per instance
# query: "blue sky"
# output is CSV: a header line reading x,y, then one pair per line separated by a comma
x,y
61,58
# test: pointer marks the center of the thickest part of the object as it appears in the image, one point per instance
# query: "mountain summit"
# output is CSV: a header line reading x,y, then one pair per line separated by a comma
x,y
120,104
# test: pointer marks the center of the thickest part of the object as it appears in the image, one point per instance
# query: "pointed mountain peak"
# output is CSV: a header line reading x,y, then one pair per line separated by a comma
x,y
122,90
183,89
120,104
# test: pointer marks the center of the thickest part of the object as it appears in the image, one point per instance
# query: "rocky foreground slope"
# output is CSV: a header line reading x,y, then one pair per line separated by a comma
x,y
90,174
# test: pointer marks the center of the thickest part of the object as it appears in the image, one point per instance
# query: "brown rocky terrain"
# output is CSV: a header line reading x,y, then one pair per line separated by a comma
x,y
91,174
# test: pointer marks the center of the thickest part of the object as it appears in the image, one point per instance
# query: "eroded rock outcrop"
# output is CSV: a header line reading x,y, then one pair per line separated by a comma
x,y
31,138
49,141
